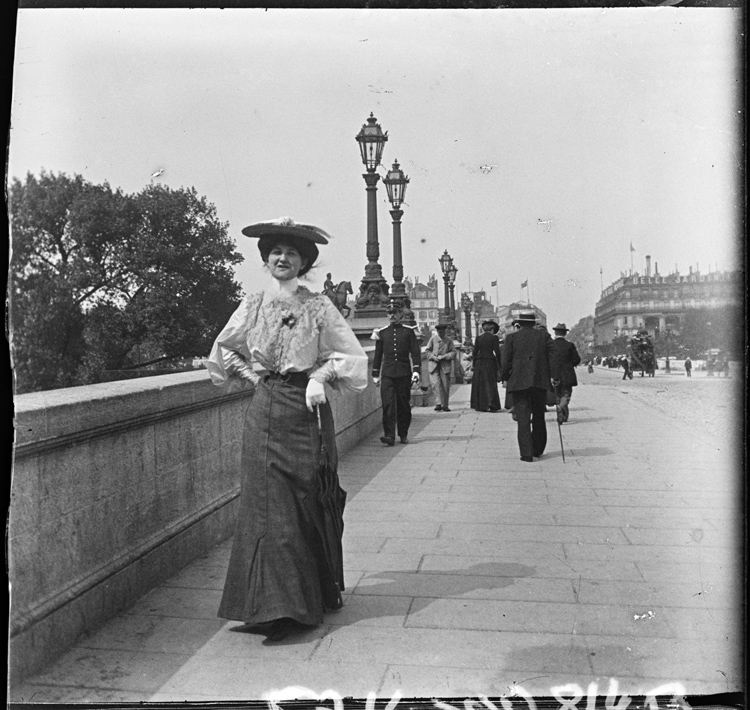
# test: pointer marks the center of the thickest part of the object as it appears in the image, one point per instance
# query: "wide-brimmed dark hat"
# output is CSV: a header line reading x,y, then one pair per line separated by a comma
x,y
524,318
495,326
561,327
287,227
304,237
441,326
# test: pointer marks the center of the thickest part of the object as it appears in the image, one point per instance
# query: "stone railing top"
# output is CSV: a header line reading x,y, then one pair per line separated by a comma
x,y
47,415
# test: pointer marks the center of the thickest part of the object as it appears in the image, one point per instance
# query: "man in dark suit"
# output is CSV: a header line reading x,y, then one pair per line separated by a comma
x,y
526,365
563,374
397,363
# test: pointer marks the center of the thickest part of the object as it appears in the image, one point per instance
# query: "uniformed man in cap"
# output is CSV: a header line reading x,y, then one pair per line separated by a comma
x,y
395,369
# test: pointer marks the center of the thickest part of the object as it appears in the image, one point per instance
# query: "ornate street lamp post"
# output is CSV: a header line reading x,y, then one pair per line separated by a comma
x,y
477,318
395,183
668,333
446,262
452,285
466,304
373,292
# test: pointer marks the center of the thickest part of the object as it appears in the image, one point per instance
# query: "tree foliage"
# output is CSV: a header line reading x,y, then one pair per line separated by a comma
x,y
101,280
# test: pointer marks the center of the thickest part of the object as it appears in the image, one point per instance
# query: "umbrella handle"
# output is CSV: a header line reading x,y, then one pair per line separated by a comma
x,y
317,411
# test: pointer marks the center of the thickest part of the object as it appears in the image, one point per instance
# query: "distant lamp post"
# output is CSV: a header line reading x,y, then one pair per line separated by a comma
x,y
668,333
452,285
374,287
466,304
395,183
446,262
614,340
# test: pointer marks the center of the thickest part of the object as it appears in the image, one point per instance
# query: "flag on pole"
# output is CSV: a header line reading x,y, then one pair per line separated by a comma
x,y
493,283
632,248
525,284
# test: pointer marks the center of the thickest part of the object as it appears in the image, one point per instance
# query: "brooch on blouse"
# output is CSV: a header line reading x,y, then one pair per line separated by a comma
x,y
288,319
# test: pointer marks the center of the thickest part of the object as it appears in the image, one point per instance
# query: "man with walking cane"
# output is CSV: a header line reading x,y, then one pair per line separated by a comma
x,y
564,374
526,365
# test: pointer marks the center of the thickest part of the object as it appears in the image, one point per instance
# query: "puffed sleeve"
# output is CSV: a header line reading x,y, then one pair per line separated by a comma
x,y
229,362
343,362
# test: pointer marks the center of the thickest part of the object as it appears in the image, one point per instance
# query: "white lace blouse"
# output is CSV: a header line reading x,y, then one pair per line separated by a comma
x,y
299,331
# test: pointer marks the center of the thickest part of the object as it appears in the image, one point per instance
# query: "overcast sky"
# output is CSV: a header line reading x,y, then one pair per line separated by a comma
x,y
609,126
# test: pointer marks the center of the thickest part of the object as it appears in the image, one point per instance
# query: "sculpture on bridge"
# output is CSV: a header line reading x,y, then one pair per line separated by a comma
x,y
338,293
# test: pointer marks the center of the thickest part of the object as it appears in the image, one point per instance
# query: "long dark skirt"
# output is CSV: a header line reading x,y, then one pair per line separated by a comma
x,y
276,562
484,393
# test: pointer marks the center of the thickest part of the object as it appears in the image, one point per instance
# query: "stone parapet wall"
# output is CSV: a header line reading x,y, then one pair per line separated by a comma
x,y
116,487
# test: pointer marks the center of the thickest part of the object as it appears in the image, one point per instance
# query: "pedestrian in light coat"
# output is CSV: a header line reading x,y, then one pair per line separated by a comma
x,y
441,352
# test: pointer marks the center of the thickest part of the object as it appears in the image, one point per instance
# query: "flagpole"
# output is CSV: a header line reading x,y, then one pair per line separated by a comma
x,y
601,278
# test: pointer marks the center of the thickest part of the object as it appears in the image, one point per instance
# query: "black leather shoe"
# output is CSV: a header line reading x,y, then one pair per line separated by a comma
x,y
438,408
387,440
526,458
445,409
404,440
281,628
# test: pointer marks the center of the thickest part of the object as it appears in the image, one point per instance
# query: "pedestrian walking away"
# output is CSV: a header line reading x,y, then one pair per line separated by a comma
x,y
688,366
486,360
441,353
395,369
288,343
526,365
563,374
627,371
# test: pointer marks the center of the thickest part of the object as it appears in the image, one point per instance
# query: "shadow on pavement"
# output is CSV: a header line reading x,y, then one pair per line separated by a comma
x,y
590,451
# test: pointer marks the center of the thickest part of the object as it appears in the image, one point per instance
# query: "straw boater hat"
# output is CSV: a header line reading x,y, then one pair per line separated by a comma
x,y
304,237
495,326
524,318
561,328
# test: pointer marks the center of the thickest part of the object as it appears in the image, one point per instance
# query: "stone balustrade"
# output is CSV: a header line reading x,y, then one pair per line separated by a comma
x,y
115,488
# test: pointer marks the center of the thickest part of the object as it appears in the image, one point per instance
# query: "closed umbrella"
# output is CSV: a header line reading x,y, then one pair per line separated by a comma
x,y
330,524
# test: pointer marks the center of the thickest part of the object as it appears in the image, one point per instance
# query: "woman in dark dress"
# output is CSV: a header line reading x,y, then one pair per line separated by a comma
x,y
288,343
486,364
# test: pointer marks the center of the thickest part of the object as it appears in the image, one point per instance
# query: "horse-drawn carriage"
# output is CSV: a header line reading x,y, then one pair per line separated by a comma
x,y
641,352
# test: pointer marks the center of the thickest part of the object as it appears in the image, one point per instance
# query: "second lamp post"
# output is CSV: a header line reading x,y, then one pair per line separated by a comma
x,y
395,183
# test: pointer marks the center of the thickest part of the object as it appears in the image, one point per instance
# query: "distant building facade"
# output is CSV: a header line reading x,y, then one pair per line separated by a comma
x,y
656,303
507,314
424,300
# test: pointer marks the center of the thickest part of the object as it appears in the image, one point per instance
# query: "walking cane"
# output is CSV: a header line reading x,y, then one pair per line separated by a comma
x,y
559,429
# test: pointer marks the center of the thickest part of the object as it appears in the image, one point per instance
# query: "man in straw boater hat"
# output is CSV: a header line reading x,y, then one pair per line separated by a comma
x,y
563,374
395,369
441,352
526,366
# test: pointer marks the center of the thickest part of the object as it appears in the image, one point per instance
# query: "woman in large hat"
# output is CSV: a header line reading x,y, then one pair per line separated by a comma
x,y
287,342
486,363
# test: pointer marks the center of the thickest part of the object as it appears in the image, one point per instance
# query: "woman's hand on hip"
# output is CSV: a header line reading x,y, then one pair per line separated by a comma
x,y
315,394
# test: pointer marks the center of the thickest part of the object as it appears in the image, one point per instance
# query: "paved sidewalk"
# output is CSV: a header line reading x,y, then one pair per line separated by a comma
x,y
469,572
